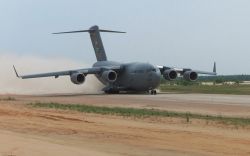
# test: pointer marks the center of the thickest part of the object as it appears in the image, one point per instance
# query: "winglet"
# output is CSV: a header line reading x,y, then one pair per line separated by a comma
x,y
16,72
214,69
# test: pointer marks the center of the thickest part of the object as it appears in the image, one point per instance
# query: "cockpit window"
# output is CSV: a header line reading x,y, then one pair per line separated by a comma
x,y
153,69
138,71
143,71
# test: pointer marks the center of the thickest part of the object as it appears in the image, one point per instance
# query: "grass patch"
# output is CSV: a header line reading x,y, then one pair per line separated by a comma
x,y
8,99
208,89
136,112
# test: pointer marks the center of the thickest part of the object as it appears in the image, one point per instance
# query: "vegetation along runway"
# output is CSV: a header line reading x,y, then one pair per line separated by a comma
x,y
165,124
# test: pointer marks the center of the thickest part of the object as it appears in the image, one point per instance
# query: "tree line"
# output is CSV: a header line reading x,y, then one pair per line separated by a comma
x,y
220,79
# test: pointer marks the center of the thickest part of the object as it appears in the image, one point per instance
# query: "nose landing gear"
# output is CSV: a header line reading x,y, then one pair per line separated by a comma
x,y
153,92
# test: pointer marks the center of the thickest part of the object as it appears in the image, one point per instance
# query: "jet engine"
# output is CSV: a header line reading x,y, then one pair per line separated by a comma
x,y
109,76
190,75
170,74
77,78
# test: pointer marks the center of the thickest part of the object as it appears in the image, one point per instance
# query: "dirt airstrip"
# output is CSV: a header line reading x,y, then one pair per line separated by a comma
x,y
25,130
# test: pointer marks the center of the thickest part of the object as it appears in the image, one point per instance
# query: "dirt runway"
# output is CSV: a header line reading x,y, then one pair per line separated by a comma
x,y
30,131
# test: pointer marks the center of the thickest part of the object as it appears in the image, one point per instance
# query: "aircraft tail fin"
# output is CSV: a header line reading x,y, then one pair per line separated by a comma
x,y
214,69
95,36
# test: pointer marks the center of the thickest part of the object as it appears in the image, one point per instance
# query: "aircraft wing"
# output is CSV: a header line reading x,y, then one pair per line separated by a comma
x,y
85,71
205,72
183,70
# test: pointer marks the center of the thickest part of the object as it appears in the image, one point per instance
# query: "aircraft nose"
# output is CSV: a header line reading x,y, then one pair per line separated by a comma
x,y
152,78
155,79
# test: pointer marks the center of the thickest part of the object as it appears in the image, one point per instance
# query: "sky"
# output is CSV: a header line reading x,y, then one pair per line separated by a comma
x,y
176,33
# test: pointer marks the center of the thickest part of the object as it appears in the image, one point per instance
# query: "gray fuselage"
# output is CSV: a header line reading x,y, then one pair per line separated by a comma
x,y
133,76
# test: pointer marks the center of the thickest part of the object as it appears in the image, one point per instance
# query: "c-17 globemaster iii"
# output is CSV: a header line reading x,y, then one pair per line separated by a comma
x,y
129,77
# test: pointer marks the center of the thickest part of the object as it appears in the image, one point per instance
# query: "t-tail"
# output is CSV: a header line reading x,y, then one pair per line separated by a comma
x,y
95,36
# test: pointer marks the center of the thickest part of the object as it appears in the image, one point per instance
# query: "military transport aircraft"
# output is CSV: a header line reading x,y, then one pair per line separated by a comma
x,y
134,77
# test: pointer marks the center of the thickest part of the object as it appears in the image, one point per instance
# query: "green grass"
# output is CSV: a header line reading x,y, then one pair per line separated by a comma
x,y
136,112
208,89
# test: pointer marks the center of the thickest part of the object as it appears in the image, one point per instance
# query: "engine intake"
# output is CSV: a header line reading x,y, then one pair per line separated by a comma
x,y
109,76
77,78
170,74
190,76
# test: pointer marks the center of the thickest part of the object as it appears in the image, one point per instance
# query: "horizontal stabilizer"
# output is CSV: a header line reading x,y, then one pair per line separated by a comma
x,y
95,36
71,32
91,29
80,31
111,31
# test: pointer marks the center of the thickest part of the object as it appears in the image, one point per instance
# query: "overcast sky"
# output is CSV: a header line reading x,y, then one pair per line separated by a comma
x,y
179,33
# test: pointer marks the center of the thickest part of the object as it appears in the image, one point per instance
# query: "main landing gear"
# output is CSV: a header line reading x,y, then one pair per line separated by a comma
x,y
153,92
111,91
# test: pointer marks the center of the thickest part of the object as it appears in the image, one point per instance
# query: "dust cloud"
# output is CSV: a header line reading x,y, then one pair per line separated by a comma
x,y
10,84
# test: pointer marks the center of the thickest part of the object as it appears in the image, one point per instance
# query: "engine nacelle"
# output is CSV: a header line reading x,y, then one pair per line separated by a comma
x,y
169,74
190,75
109,76
77,78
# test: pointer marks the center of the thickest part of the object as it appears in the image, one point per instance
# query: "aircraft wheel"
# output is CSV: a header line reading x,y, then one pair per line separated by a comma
x,y
112,92
153,92
116,92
